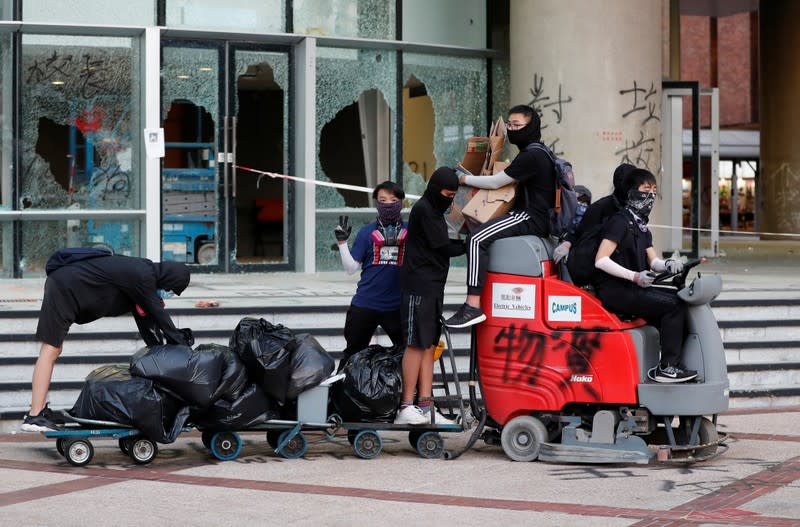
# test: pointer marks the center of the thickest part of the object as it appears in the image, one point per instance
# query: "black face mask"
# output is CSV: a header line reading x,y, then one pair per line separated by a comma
x,y
641,202
443,178
530,133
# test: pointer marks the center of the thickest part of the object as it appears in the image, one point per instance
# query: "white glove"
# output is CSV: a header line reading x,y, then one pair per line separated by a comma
x,y
673,266
644,279
561,252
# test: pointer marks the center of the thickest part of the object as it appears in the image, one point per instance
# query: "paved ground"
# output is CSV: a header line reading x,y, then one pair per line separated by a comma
x,y
756,482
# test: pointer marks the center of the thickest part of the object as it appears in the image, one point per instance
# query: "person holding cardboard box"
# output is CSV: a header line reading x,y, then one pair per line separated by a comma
x,y
534,174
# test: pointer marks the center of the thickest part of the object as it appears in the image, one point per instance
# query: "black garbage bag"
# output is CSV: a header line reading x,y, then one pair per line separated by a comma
x,y
311,365
264,349
251,409
234,375
112,394
191,375
372,386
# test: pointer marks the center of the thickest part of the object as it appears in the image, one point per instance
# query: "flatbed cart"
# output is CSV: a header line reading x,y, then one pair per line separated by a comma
x,y
73,440
288,439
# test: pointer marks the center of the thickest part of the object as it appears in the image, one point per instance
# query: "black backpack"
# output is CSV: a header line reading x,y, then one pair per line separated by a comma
x,y
580,262
566,200
70,255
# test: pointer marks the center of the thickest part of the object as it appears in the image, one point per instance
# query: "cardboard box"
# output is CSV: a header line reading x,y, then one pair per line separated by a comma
x,y
475,155
487,204
455,220
497,140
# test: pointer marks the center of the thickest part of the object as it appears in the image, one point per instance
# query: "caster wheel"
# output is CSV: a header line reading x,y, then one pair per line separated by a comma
x,y
78,452
413,437
295,448
274,438
206,436
226,445
367,444
125,445
522,438
430,445
61,443
142,450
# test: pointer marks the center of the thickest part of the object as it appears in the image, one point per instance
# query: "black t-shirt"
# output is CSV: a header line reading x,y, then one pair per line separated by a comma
x,y
536,183
632,244
427,258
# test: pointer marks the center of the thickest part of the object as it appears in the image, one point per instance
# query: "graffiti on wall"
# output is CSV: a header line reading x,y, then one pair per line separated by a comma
x,y
550,105
641,106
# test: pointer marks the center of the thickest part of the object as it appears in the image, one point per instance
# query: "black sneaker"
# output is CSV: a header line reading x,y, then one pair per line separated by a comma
x,y
55,417
465,316
38,423
673,374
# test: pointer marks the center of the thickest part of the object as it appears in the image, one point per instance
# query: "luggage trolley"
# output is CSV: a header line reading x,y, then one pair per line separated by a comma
x,y
73,440
288,439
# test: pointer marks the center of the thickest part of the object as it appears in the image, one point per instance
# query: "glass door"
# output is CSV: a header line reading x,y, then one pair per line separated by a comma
x,y
225,116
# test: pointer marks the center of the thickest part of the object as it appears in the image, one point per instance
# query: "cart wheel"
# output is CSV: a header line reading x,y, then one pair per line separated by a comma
x,y
78,452
367,444
125,445
295,448
142,450
430,445
522,438
274,438
413,438
708,434
205,437
226,445
351,436
61,443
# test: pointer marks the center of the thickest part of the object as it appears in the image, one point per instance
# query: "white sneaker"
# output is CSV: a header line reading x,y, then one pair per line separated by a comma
x,y
439,419
411,415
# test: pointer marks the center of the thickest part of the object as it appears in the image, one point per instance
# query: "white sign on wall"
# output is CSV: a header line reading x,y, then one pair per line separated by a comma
x,y
564,308
514,300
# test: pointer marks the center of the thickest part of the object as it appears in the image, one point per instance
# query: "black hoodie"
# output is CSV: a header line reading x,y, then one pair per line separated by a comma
x,y
114,285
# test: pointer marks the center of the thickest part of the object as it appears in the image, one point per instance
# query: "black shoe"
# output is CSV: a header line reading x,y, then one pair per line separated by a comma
x,y
38,423
55,417
673,374
465,316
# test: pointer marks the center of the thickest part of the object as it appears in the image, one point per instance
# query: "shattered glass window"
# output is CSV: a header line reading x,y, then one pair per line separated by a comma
x,y
79,118
457,88
256,15
6,109
128,13
501,100
356,126
345,18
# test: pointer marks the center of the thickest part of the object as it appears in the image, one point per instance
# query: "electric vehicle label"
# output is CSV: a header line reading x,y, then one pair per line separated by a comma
x,y
514,300
564,308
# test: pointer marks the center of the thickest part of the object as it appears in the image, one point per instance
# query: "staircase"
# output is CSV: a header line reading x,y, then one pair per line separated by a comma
x,y
760,336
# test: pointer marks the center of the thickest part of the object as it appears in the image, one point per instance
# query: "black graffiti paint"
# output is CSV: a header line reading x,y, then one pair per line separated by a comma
x,y
637,152
641,101
540,102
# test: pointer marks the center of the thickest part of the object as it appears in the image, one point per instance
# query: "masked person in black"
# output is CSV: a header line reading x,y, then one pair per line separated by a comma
x,y
86,290
379,250
422,279
534,173
628,261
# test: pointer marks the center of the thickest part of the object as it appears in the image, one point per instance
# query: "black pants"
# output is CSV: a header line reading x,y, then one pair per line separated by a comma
x,y
515,223
361,324
660,307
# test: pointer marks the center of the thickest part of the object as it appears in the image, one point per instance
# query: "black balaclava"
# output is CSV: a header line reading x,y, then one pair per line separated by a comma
x,y
443,178
530,133
389,213
172,276
620,173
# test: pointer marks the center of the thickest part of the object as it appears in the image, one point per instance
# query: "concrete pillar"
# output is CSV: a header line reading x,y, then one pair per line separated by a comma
x,y
779,41
593,70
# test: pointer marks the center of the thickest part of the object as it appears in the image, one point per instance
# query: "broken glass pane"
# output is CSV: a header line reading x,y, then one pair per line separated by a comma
x,y
356,105
79,116
261,15
128,13
345,18
457,88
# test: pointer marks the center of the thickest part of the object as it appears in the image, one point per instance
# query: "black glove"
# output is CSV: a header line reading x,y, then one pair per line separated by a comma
x,y
187,335
343,230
